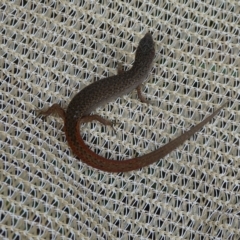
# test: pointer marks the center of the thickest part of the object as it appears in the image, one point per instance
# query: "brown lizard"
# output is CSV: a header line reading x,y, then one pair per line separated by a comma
x,y
103,91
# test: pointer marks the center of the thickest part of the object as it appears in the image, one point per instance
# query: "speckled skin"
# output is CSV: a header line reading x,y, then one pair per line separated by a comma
x,y
103,91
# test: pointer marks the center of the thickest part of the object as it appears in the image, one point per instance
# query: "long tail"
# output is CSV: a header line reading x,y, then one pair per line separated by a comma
x,y
101,163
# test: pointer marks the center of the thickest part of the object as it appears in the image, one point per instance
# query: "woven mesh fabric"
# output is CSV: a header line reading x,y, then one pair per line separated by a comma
x,y
50,50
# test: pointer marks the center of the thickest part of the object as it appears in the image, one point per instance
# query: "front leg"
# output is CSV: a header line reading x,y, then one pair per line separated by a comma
x,y
119,68
140,95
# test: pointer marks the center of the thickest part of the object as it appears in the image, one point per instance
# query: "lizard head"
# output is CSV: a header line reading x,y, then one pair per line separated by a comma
x,y
146,49
146,44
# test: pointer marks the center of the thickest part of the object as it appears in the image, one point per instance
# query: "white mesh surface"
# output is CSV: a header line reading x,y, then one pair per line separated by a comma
x,y
49,51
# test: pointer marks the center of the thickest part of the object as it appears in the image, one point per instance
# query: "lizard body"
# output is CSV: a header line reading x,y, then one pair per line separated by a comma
x,y
103,91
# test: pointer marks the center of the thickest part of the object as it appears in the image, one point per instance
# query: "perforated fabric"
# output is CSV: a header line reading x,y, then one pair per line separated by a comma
x,y
50,50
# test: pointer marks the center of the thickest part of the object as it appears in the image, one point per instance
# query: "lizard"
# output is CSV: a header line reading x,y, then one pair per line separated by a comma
x,y
103,91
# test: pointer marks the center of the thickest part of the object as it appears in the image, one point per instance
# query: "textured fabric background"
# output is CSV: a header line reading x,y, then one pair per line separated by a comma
x,y
49,50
